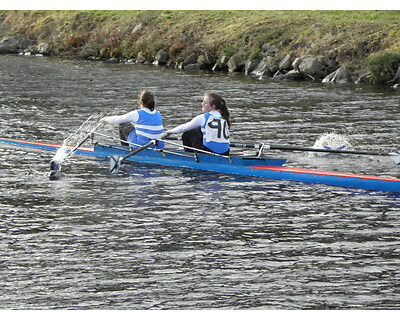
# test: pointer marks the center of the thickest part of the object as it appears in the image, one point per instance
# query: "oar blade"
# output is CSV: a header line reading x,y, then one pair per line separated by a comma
x,y
115,164
395,157
55,170
115,161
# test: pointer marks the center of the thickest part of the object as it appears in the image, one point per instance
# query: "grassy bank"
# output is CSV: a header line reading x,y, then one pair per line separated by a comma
x,y
353,35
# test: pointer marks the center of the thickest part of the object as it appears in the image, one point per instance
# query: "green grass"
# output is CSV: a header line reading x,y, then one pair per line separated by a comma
x,y
383,66
354,34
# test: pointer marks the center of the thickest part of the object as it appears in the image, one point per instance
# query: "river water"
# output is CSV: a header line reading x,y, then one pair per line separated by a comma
x,y
163,238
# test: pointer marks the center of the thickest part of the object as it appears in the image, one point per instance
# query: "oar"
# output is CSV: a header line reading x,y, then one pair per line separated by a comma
x,y
115,161
55,164
395,156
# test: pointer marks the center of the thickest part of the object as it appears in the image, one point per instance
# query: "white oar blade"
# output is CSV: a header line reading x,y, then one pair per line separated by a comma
x,y
55,169
395,157
115,163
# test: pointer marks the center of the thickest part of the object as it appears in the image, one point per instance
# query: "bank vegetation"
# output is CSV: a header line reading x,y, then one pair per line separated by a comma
x,y
332,46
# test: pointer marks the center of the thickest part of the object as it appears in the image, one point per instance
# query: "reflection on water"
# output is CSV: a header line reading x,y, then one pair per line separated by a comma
x,y
164,238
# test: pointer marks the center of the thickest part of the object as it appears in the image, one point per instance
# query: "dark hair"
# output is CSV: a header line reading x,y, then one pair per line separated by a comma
x,y
147,99
220,105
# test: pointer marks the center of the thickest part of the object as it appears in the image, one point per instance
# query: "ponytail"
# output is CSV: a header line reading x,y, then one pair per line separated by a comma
x,y
147,99
220,105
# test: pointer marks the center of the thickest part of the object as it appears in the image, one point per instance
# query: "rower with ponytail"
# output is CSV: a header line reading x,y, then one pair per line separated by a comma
x,y
142,125
208,131
220,105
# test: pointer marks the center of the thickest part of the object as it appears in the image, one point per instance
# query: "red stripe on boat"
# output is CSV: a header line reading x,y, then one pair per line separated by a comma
x,y
324,173
45,144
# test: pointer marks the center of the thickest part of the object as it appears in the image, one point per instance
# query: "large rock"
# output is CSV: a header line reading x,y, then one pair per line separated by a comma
x,y
206,61
341,75
297,62
287,62
221,64
236,63
87,51
44,48
192,59
364,77
14,44
111,61
311,67
250,66
193,67
273,64
141,57
292,75
329,61
269,50
161,58
262,70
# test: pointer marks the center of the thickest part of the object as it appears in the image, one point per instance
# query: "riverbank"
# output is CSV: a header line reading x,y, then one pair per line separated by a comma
x,y
328,46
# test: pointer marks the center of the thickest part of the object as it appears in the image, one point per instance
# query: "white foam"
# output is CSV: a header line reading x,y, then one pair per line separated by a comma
x,y
61,154
333,141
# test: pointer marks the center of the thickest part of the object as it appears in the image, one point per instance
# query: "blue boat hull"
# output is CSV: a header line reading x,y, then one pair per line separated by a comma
x,y
256,167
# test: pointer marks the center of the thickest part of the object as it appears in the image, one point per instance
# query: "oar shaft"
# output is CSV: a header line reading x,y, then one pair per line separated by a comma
x,y
84,140
294,148
130,154
232,144
115,162
149,144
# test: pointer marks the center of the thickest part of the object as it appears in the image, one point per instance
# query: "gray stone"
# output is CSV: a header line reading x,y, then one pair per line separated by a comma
x,y
311,67
206,60
189,60
341,75
269,50
161,58
290,76
287,62
141,57
14,44
192,67
250,66
295,76
262,70
236,63
363,78
44,48
112,61
221,64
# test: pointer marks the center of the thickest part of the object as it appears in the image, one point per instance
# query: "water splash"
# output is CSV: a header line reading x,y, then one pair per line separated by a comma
x,y
86,127
61,153
74,138
333,141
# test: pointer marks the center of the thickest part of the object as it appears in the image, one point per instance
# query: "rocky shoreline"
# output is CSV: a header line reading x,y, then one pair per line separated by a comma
x,y
291,68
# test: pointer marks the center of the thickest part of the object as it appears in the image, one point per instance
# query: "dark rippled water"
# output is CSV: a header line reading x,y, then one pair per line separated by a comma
x,y
164,238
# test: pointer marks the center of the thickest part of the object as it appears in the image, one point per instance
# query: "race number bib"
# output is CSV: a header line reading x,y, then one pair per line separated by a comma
x,y
217,130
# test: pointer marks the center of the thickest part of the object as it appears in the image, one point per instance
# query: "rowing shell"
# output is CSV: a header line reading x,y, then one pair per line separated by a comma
x,y
256,167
